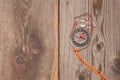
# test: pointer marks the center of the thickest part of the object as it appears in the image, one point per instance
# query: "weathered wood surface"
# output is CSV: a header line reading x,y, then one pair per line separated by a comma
x,y
28,40
104,49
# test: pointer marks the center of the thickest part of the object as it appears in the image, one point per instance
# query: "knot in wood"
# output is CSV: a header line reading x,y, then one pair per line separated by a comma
x,y
116,65
99,46
35,47
20,60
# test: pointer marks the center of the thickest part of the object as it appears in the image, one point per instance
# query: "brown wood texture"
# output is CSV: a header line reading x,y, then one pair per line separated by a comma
x,y
104,49
28,40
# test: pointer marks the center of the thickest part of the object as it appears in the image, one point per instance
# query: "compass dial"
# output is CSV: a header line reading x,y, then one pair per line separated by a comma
x,y
80,37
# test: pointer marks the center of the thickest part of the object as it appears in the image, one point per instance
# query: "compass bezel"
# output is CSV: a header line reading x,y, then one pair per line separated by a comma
x,y
83,45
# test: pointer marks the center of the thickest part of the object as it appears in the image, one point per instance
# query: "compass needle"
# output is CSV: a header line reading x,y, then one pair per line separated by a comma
x,y
77,35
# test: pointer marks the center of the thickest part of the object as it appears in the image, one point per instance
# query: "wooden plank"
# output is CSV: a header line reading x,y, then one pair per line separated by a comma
x,y
103,52
69,66
98,43
29,40
107,43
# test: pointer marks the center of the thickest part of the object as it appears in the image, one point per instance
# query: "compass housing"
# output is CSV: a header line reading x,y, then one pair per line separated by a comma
x,y
81,33
80,38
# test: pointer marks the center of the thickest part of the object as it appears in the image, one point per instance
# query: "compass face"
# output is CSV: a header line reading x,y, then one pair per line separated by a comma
x,y
80,37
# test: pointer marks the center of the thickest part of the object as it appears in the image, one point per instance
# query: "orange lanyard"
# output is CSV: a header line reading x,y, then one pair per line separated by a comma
x,y
99,73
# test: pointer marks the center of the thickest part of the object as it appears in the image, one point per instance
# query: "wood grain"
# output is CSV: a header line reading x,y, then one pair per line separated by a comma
x,y
103,52
106,14
98,43
29,40
69,66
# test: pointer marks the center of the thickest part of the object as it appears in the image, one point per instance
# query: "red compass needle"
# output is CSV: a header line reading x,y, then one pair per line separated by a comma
x,y
90,66
82,36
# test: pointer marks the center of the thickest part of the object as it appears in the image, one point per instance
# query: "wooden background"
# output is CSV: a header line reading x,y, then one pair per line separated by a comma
x,y
34,40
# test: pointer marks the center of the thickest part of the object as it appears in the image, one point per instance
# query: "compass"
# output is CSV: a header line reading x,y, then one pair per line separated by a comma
x,y
80,37
82,31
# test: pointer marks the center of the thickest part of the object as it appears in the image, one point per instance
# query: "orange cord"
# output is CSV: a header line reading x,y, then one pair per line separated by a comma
x,y
99,73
